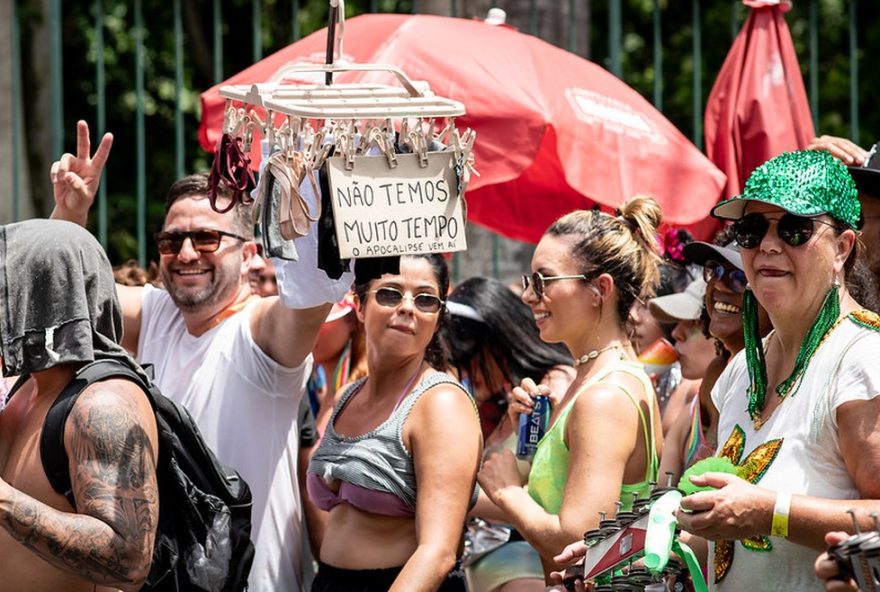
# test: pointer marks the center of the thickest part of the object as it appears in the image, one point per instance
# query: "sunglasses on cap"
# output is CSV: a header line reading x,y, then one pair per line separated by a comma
x,y
537,280
392,297
793,230
203,241
733,277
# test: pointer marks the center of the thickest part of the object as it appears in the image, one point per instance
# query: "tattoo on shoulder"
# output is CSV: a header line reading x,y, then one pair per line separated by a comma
x,y
113,473
112,456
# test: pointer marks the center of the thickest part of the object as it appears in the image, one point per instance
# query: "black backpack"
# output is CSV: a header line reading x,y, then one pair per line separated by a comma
x,y
203,538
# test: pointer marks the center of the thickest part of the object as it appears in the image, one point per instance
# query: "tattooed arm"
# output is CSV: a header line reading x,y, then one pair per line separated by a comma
x,y
110,438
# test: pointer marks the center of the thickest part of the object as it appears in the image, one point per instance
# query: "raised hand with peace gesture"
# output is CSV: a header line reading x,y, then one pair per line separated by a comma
x,y
75,178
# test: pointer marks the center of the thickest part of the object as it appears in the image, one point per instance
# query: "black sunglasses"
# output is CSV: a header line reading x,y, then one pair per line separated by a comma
x,y
733,277
203,241
794,231
537,281
392,297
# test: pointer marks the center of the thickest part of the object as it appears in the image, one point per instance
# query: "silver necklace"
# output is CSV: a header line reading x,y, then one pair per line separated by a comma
x,y
592,355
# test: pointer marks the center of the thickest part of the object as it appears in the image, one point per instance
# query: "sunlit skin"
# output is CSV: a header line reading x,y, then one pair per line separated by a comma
x,y
646,328
602,433
792,283
332,339
261,276
402,329
779,274
724,306
563,315
695,350
442,434
204,284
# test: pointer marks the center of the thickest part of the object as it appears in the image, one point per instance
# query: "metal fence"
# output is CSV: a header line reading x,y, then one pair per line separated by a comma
x,y
614,29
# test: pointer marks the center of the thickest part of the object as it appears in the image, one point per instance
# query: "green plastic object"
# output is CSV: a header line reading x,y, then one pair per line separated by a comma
x,y
661,531
713,464
693,565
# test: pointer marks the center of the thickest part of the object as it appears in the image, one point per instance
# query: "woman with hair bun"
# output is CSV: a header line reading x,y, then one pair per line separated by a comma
x,y
605,437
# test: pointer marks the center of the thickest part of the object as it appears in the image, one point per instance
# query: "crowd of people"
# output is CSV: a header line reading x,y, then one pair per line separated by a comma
x,y
375,418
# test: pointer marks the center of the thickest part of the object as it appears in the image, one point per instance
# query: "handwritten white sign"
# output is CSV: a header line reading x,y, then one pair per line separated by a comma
x,y
381,211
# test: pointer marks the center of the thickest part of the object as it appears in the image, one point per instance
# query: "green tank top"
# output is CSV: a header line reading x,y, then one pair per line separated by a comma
x,y
550,465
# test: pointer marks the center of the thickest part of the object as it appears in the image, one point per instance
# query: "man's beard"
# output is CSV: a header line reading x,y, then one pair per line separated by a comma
x,y
194,299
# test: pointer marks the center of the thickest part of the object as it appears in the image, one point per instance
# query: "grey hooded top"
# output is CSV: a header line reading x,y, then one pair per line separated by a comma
x,y
57,298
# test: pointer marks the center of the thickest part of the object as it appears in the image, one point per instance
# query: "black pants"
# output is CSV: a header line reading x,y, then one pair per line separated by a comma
x,y
335,579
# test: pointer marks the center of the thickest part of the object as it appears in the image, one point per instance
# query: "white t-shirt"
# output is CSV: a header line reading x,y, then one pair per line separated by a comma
x,y
246,406
800,451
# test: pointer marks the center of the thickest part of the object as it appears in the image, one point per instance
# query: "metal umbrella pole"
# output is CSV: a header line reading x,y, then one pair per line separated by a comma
x,y
335,7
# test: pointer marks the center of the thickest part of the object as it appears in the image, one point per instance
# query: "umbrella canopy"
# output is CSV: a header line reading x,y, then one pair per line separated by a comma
x,y
758,106
555,132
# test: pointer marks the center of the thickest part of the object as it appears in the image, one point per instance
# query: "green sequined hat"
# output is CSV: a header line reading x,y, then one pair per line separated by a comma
x,y
805,183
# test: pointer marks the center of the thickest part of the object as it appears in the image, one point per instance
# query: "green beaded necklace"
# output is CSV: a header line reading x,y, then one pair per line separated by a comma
x,y
757,365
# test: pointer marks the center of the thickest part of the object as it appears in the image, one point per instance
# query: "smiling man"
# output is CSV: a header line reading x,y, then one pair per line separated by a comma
x,y
237,362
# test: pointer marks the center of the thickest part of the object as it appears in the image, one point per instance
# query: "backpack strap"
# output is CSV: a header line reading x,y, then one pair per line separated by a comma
x,y
52,452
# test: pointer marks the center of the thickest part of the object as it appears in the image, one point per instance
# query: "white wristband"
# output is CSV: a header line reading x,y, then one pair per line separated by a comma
x,y
781,511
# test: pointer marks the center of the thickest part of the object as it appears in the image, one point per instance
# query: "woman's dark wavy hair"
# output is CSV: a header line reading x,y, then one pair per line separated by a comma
x,y
435,354
507,335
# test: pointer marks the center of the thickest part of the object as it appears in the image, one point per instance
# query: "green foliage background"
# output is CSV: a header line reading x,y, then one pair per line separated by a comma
x,y
720,18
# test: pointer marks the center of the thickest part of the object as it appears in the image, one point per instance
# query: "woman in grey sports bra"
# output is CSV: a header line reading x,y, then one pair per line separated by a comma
x,y
397,465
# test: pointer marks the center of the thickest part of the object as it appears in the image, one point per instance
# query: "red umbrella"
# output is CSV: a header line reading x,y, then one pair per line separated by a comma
x,y
758,107
555,132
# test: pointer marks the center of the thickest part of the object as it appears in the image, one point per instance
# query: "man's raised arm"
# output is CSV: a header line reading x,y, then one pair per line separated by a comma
x,y
286,327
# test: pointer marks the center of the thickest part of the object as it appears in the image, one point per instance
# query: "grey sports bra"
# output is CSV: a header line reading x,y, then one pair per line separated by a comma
x,y
374,471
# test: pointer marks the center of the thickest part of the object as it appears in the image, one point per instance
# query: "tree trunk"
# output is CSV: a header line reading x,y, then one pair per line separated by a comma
x,y
564,23
36,107
6,120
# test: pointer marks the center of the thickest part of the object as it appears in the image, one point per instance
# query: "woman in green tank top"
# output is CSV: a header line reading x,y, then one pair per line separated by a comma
x,y
603,445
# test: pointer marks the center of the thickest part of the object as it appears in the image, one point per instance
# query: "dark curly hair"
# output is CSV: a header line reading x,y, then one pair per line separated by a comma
x,y
505,334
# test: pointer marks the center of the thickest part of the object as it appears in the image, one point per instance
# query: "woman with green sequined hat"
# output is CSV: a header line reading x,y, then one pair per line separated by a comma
x,y
798,409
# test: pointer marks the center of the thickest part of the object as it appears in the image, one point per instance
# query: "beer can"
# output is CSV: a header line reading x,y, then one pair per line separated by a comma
x,y
532,427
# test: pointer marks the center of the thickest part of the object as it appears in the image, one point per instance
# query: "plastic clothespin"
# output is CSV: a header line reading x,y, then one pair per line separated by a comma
x,y
387,147
370,137
420,147
404,130
228,116
239,121
345,149
429,133
269,126
248,134
852,514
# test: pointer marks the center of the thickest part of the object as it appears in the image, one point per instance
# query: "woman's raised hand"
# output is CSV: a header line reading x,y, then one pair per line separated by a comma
x,y
522,399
